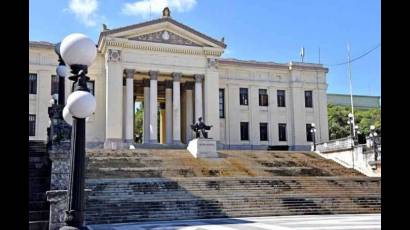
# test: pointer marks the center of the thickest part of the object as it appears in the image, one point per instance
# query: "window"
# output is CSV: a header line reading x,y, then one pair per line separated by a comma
x,y
244,131
309,136
263,97
308,99
281,98
54,84
90,85
263,131
32,125
282,132
32,83
243,96
221,103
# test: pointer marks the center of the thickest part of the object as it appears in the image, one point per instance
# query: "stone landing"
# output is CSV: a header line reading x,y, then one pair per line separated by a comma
x,y
203,148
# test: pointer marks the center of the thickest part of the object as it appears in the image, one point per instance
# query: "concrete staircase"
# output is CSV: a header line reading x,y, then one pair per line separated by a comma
x,y
149,163
130,200
149,185
39,183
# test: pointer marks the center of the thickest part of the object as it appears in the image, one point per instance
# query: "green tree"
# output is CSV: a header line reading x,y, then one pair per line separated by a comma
x,y
139,117
364,118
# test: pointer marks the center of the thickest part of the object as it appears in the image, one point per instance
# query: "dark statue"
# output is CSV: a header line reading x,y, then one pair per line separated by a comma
x,y
200,127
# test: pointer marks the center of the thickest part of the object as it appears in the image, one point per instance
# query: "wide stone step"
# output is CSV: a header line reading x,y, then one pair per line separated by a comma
x,y
165,188
38,205
39,215
242,213
223,208
242,197
38,225
200,210
37,196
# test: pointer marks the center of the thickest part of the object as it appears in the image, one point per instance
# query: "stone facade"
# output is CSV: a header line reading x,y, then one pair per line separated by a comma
x,y
168,49
359,101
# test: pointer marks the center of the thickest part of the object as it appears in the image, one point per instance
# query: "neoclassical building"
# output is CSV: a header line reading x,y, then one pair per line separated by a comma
x,y
178,74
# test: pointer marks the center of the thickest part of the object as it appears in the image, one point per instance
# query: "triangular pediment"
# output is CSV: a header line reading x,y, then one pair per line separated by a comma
x,y
164,30
165,36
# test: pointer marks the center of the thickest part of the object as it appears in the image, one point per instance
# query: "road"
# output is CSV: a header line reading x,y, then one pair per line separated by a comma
x,y
307,222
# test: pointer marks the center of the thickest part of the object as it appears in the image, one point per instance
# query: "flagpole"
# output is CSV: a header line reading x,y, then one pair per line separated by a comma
x,y
350,83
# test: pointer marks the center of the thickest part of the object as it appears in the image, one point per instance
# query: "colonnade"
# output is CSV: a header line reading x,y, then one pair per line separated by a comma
x,y
172,107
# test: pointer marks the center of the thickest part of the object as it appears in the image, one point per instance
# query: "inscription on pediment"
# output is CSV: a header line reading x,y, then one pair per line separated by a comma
x,y
164,37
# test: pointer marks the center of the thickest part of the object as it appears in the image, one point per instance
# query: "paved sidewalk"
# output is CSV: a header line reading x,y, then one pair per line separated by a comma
x,y
307,222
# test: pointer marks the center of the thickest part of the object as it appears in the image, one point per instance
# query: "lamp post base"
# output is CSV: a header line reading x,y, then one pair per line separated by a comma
x,y
69,228
73,228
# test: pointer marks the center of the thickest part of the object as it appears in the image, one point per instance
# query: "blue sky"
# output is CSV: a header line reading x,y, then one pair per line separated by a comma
x,y
262,30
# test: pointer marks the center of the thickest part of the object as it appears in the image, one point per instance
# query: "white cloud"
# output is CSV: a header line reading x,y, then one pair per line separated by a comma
x,y
84,10
144,8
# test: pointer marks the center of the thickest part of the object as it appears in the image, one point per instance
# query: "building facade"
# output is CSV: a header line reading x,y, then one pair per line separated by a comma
x,y
179,76
359,101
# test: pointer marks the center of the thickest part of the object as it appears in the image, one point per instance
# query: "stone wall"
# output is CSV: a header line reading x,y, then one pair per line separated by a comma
x,y
344,152
59,154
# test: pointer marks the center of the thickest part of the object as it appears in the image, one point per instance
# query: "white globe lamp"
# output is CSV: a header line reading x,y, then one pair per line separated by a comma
x,y
62,71
81,104
78,49
67,116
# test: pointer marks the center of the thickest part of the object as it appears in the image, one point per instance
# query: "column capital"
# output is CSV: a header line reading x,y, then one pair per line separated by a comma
x,y
153,75
146,82
114,55
199,77
129,73
168,84
176,76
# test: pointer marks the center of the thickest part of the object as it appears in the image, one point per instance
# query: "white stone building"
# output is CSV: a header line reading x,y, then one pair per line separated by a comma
x,y
179,72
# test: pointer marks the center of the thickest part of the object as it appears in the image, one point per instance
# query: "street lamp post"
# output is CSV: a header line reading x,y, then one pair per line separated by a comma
x,y
313,131
78,51
62,73
356,135
58,130
373,135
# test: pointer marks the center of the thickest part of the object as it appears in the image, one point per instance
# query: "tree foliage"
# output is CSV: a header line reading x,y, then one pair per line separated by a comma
x,y
364,118
138,124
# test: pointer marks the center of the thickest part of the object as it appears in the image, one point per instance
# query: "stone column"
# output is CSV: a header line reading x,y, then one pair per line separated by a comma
x,y
146,119
43,97
168,111
113,100
198,96
153,104
298,111
129,107
210,100
189,111
176,111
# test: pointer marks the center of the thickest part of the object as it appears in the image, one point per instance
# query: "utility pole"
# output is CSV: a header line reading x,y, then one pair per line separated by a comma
x,y
350,83
150,17
319,55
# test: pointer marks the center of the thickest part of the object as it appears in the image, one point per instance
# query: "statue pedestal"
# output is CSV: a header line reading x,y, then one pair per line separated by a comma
x,y
203,148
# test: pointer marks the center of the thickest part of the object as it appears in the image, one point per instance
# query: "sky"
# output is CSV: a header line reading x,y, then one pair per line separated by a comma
x,y
261,30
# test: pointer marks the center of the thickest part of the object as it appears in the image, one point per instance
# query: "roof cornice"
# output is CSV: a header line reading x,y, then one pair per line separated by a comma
x,y
161,47
156,21
41,44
